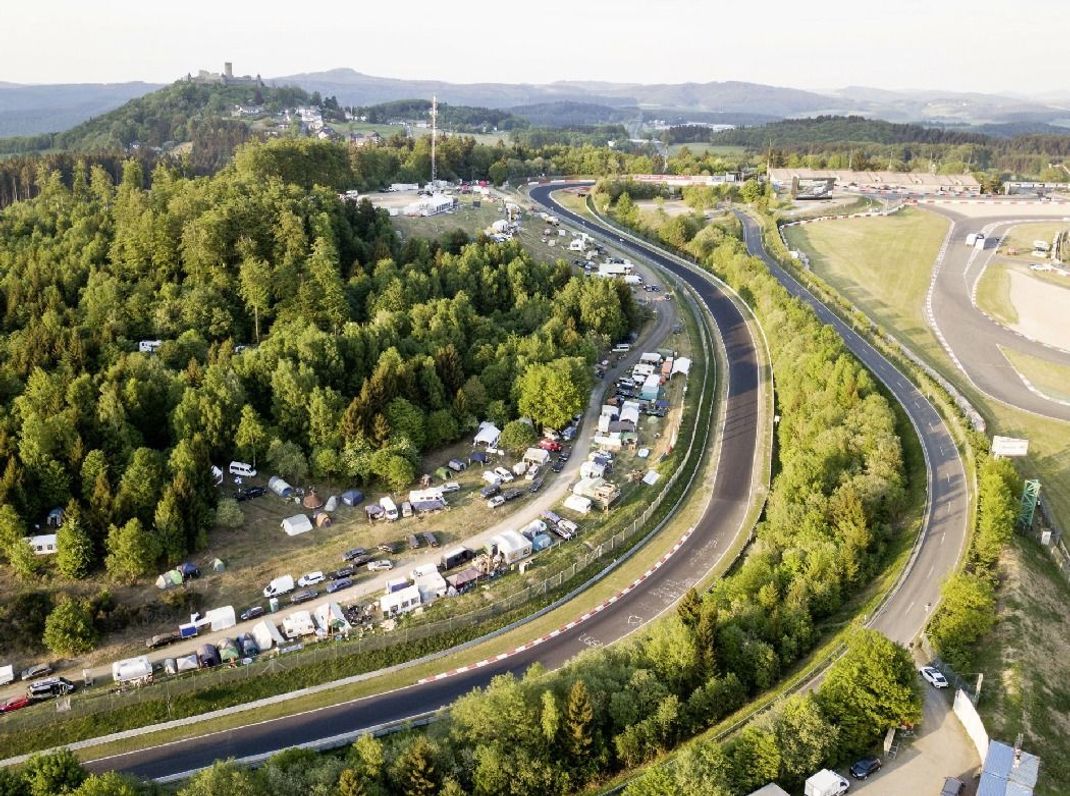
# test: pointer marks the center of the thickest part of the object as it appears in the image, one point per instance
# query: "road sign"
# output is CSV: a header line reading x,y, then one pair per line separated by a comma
x,y
1009,447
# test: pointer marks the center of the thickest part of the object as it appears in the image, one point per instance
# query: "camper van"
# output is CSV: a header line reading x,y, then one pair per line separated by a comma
x,y
243,469
48,688
389,508
149,346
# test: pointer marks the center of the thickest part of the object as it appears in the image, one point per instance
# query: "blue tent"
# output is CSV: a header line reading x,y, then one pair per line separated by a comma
x,y
352,497
478,456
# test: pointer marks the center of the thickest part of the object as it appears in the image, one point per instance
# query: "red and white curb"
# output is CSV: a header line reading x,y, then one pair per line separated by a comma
x,y
569,626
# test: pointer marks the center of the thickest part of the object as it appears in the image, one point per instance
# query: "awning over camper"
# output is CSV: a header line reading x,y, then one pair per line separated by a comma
x,y
488,434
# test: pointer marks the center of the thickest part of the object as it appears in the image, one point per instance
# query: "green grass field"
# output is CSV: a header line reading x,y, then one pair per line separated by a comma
x,y
708,149
994,293
882,265
1050,378
1020,239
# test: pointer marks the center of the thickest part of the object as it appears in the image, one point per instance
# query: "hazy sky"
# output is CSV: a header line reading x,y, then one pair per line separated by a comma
x,y
983,45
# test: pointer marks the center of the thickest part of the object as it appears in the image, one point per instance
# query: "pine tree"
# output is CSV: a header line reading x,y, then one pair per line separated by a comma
x,y
579,722
417,769
74,548
689,609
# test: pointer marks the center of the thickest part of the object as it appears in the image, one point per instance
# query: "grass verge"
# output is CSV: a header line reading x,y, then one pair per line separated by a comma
x,y
1026,688
1050,378
994,294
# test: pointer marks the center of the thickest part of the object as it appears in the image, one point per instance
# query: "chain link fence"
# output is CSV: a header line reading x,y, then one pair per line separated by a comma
x,y
410,629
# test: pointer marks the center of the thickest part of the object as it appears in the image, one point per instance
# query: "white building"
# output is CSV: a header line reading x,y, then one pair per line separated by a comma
x,y
43,544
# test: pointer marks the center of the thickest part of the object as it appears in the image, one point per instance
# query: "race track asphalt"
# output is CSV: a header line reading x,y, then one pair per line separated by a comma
x,y
714,533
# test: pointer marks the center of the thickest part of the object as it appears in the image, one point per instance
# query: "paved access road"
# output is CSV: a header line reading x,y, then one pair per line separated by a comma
x,y
723,519
971,338
943,536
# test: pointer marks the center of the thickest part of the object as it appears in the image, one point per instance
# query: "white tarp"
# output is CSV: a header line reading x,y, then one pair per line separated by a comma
x,y
330,619
512,546
220,618
536,456
651,477
681,365
266,634
578,503
297,524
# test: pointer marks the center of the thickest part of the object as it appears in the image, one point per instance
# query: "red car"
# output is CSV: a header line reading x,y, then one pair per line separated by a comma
x,y
14,703
550,445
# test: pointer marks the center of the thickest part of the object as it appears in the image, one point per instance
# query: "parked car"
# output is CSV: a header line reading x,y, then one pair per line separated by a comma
x,y
356,552
450,486
311,578
414,543
430,538
569,526
161,640
303,596
536,485
380,565
557,466
390,548
344,572
504,474
37,670
550,445
338,585
252,613
490,490
933,676
866,766
495,501
512,494
256,491
16,702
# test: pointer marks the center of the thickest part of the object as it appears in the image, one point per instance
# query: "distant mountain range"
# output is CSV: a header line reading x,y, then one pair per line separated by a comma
x,y
51,108
26,110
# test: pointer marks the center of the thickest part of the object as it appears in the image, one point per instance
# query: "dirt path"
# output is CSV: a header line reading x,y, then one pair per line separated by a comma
x,y
652,337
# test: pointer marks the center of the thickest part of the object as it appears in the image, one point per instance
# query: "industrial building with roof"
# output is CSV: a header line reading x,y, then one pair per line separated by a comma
x,y
1008,771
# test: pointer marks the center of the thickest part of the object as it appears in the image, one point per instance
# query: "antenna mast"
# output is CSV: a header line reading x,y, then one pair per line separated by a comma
x,y
434,130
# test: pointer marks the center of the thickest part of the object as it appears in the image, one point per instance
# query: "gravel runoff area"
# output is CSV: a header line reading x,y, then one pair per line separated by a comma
x,y
1043,309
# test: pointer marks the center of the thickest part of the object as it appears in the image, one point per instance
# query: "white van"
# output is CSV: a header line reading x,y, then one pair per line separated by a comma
x,y
389,508
243,469
621,348
149,346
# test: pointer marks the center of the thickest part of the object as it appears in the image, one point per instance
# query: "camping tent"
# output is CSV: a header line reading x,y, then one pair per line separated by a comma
x,y
488,434
218,565
170,578
352,497
478,456
681,365
312,500
266,633
331,504
297,524
229,650
322,519
219,618
280,487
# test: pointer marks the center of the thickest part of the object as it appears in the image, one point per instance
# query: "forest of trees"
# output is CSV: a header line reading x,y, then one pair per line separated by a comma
x,y
360,353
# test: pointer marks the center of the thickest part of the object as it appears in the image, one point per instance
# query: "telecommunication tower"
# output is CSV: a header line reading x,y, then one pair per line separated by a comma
x,y
434,131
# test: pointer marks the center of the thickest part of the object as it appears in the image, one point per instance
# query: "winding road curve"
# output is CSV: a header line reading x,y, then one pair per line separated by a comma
x,y
713,535
943,538
971,338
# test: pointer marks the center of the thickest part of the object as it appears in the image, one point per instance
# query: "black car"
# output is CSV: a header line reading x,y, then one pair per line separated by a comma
x,y
489,491
344,572
338,585
512,494
536,485
557,466
241,495
866,766
356,552
255,492
252,613
304,596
